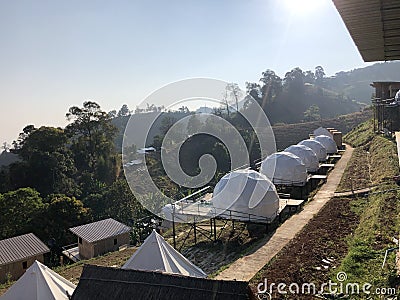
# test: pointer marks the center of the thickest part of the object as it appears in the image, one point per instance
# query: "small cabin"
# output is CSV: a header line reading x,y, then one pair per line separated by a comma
x,y
18,253
386,109
101,237
385,89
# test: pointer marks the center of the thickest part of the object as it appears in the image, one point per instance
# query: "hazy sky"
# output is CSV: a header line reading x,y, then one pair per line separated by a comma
x,y
55,54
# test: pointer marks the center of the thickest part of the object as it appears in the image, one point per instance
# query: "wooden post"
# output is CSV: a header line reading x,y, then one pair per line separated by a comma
x,y
194,232
173,230
215,230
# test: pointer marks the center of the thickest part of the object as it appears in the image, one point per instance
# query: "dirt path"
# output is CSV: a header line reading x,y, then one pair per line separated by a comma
x,y
247,266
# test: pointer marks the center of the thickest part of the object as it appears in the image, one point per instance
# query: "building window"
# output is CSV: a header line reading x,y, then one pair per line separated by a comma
x,y
80,240
115,241
24,265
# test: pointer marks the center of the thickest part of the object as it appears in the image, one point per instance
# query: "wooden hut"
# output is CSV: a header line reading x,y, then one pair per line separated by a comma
x,y
101,237
18,253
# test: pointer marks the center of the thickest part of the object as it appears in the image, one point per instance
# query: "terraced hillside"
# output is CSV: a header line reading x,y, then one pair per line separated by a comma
x,y
286,135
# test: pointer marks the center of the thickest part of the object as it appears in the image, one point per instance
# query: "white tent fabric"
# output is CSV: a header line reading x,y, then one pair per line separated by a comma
x,y
39,283
307,156
317,147
246,194
156,254
322,131
328,143
289,169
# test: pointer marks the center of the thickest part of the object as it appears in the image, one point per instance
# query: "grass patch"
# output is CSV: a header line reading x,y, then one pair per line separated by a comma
x,y
356,175
379,221
360,135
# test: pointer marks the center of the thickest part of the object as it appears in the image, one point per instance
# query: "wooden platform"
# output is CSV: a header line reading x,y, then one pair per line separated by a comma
x,y
318,177
327,165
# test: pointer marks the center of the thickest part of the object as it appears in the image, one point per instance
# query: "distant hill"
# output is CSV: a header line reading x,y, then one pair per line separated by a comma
x,y
355,84
7,158
289,109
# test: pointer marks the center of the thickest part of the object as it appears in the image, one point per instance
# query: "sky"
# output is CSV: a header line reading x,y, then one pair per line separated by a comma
x,y
56,54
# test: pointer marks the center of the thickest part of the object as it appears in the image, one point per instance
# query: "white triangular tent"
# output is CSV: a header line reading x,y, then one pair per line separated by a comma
x,y
39,283
317,147
322,131
155,254
307,156
328,143
244,194
284,168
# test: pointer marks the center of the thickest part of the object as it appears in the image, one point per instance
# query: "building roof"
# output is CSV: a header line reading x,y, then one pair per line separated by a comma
x,y
155,254
21,247
374,26
40,283
111,283
100,230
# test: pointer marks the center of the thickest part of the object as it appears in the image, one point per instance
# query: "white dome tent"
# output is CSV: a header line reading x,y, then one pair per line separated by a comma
x,y
284,168
322,131
317,147
328,143
307,156
247,195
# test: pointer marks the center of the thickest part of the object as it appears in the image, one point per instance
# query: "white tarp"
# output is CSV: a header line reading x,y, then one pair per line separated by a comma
x,y
289,169
246,194
328,143
156,254
307,156
317,147
39,283
322,131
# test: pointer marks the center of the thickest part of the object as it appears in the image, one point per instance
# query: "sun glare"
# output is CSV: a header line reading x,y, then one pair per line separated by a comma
x,y
303,7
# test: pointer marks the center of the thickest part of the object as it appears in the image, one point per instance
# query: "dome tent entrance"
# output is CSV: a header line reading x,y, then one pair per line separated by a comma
x,y
317,147
247,194
155,254
284,168
328,143
307,156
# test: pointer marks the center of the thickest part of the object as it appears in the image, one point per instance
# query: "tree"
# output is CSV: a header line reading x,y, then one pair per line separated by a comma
x,y
309,77
294,81
272,86
112,113
312,113
319,75
124,111
44,152
233,90
92,141
60,213
19,212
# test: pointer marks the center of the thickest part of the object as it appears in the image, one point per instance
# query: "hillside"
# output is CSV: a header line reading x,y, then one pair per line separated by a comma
x,y
351,234
355,84
286,135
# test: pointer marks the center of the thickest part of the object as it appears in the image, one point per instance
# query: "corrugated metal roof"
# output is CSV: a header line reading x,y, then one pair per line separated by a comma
x,y
100,230
21,247
374,26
